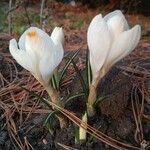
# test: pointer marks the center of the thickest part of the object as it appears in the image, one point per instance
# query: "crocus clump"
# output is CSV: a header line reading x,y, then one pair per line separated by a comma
x,y
38,52
109,40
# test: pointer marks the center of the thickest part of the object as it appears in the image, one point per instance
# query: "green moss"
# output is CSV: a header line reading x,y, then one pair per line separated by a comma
x,y
78,24
52,22
20,21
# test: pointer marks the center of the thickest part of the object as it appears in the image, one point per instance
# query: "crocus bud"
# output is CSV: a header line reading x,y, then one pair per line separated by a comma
x,y
38,52
82,131
109,40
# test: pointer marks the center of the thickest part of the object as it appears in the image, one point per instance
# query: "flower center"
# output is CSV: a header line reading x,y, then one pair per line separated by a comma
x,y
32,34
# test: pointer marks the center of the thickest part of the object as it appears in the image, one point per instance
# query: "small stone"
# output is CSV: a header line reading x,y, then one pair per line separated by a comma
x,y
45,141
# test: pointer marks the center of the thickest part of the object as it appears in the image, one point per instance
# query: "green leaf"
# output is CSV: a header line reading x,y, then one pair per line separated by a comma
x,y
67,65
55,79
88,69
54,82
49,121
76,134
71,98
83,84
99,100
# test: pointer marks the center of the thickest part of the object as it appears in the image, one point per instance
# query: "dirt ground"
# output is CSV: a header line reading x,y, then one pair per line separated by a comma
x,y
123,115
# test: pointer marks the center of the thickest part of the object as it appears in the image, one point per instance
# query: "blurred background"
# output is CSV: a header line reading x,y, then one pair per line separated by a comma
x,y
18,15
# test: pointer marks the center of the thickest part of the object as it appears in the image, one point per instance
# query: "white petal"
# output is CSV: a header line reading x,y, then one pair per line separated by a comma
x,y
99,41
123,45
116,22
21,56
21,42
38,42
49,62
58,35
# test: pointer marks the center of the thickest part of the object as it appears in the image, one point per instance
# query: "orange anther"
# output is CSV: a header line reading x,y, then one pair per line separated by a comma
x,y
32,34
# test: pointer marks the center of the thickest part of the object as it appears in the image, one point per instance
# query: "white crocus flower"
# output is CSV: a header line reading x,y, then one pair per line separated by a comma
x,y
110,40
38,52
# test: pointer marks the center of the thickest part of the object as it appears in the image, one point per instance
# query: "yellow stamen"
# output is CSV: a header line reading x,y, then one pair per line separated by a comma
x,y
32,34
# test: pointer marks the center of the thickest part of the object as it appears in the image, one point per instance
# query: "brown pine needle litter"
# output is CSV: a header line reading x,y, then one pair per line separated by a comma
x,y
15,99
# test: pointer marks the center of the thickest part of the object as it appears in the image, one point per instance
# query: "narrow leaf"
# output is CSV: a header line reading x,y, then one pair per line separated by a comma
x,y
54,82
83,84
76,129
71,98
49,121
99,100
88,69
67,65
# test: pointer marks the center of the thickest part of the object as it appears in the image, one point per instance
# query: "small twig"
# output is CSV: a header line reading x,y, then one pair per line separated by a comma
x,y
13,8
10,18
137,116
146,116
26,13
66,147
41,11
28,145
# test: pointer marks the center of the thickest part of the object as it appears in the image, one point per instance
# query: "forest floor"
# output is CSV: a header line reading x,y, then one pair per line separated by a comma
x,y
123,115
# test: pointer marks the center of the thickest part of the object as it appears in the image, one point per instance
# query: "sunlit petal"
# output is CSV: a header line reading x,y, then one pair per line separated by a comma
x,y
123,45
99,41
57,35
116,22
21,56
38,41
49,62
